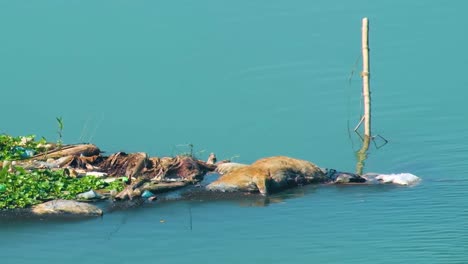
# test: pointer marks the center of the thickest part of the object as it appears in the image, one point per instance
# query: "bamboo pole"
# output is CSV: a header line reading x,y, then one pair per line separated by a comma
x,y
362,153
365,77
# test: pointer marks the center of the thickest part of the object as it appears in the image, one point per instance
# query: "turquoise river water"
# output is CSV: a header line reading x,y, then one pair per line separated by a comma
x,y
248,79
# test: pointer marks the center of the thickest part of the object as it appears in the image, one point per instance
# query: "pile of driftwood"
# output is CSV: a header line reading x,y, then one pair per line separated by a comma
x,y
148,176
156,175
144,173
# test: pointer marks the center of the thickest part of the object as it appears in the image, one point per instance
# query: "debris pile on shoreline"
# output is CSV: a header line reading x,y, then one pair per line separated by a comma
x,y
81,173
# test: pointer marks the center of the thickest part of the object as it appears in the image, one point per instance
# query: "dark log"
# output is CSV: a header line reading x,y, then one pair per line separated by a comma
x,y
179,168
122,164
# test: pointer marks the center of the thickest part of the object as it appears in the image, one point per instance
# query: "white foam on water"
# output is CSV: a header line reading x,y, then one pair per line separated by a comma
x,y
397,178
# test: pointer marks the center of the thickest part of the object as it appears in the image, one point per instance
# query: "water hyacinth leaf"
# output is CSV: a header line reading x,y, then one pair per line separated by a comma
x,y
25,188
21,147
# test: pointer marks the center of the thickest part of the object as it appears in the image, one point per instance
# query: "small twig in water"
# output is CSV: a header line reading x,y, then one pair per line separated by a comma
x,y
190,218
117,229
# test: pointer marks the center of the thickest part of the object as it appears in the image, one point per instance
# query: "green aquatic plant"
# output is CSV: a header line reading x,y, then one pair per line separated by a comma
x,y
21,147
59,131
178,150
20,188
188,152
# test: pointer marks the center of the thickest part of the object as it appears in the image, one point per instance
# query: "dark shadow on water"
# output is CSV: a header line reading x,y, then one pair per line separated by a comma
x,y
200,195
194,195
14,217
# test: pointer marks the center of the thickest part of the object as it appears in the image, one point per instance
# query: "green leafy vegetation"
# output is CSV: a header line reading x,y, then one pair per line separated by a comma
x,y
21,147
21,188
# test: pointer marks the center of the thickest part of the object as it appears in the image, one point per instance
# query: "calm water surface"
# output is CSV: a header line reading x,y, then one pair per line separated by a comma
x,y
248,79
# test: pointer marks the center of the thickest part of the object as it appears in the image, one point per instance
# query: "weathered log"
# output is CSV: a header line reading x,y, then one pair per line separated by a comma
x,y
136,167
69,161
80,162
132,190
161,187
141,185
166,174
86,150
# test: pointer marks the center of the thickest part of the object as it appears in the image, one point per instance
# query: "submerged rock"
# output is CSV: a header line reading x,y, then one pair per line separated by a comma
x,y
66,207
339,177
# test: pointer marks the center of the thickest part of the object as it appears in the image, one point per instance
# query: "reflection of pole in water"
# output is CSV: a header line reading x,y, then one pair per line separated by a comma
x,y
366,118
362,155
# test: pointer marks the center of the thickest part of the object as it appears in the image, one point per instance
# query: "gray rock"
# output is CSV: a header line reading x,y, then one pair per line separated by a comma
x,y
344,177
66,207
88,195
